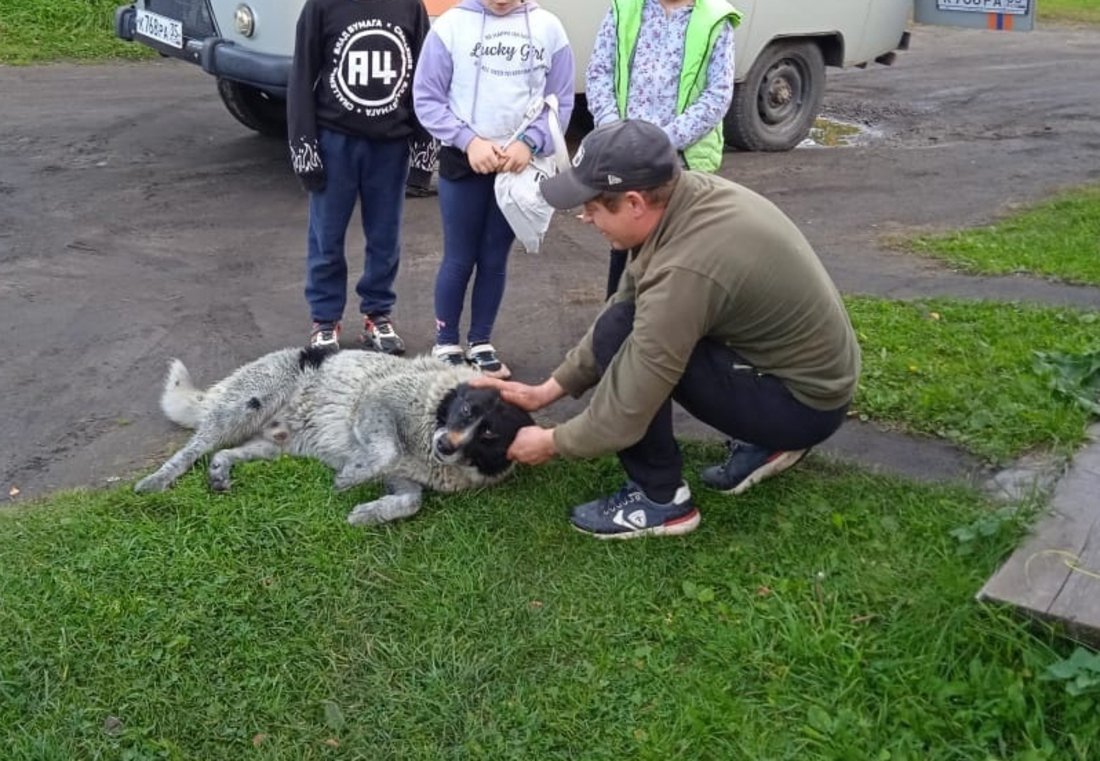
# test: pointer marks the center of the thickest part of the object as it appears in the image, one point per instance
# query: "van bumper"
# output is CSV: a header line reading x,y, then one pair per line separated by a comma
x,y
217,56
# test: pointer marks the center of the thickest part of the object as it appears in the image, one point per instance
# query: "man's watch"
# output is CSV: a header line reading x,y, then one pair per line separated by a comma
x,y
530,143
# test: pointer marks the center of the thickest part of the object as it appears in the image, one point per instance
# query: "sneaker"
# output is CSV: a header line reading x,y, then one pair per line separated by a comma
x,y
748,465
420,191
378,333
484,358
450,354
325,335
629,513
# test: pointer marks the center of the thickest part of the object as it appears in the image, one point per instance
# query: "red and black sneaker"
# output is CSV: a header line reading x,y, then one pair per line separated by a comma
x,y
378,334
325,335
747,465
629,513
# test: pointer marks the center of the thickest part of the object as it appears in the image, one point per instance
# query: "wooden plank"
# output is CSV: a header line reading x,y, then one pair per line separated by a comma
x,y
1055,573
1078,602
1036,572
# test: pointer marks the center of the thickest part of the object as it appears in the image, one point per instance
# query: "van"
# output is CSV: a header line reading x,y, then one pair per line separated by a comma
x,y
782,49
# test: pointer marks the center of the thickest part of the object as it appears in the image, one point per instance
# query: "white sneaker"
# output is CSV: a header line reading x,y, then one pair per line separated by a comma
x,y
450,354
484,358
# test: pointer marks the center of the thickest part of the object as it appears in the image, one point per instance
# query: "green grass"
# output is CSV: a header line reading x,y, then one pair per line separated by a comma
x,y
1058,239
965,371
825,615
1069,11
36,31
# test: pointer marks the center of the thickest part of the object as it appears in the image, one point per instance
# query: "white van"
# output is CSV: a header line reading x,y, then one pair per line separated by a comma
x,y
783,47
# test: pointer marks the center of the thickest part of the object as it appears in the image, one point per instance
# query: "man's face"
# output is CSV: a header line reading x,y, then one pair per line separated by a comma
x,y
622,228
501,7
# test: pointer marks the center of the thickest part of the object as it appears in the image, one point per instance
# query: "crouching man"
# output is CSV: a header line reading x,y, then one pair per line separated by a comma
x,y
724,308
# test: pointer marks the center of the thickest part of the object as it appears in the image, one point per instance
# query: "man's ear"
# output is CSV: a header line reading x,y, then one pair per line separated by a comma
x,y
636,203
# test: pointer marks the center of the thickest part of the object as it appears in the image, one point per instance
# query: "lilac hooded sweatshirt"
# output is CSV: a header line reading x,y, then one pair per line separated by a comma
x,y
478,72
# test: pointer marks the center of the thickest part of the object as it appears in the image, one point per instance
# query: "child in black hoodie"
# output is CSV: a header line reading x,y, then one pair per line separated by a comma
x,y
350,123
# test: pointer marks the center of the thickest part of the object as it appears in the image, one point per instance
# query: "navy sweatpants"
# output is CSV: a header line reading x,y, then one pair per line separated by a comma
x,y
476,242
372,172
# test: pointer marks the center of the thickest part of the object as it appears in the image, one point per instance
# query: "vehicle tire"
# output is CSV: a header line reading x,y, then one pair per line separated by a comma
x,y
254,108
775,107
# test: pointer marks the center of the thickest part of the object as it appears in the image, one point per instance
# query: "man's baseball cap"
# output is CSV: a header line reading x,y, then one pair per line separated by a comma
x,y
626,155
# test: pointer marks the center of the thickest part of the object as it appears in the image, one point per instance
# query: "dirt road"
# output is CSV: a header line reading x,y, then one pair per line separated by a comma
x,y
138,222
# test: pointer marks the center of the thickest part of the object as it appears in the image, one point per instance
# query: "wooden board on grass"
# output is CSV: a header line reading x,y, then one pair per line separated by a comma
x,y
1055,573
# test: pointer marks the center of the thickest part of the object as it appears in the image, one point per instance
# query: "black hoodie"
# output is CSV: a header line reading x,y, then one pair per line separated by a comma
x,y
352,73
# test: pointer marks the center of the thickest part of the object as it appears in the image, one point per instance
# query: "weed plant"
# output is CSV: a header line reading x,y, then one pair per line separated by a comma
x,y
968,372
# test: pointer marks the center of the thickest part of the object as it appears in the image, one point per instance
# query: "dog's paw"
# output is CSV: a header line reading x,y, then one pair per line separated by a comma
x,y
367,514
342,483
388,508
353,474
150,484
217,475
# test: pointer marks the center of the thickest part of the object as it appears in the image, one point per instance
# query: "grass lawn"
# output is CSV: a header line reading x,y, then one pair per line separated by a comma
x,y
35,31
1073,11
828,614
1058,239
968,372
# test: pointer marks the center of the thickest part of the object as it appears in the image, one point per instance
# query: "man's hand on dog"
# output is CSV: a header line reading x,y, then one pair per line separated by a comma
x,y
524,396
533,445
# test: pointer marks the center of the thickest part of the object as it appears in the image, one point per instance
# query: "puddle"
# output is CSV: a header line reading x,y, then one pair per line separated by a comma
x,y
832,133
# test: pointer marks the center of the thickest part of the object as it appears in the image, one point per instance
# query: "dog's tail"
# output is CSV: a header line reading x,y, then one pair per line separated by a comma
x,y
181,402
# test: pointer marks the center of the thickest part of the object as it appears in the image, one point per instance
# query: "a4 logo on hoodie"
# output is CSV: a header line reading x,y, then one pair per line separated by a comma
x,y
372,67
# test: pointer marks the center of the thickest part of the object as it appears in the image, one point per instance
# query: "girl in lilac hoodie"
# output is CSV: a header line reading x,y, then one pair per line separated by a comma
x,y
482,65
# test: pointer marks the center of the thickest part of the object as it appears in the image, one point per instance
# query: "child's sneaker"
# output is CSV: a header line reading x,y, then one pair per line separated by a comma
x,y
629,513
378,333
484,358
449,354
325,335
748,465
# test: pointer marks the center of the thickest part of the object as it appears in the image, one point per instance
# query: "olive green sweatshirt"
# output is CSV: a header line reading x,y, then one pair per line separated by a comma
x,y
726,264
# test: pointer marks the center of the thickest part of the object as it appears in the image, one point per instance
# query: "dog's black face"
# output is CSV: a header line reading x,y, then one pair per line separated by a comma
x,y
474,426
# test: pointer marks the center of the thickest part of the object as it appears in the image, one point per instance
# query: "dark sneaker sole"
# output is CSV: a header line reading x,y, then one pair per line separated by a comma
x,y
771,467
678,527
371,345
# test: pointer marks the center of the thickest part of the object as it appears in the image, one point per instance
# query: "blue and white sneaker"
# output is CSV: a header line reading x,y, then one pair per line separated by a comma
x,y
747,465
449,354
629,513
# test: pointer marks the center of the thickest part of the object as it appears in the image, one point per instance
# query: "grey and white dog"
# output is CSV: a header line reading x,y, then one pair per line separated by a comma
x,y
413,423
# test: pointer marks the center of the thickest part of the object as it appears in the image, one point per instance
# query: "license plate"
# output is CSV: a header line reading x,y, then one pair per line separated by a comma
x,y
1007,7
159,28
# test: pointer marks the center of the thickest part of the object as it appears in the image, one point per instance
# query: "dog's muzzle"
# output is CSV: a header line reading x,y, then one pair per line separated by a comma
x,y
444,449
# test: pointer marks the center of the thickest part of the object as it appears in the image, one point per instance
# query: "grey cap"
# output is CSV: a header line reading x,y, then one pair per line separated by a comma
x,y
626,155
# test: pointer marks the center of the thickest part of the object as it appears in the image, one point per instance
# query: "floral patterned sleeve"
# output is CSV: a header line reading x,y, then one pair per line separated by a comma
x,y
707,112
600,75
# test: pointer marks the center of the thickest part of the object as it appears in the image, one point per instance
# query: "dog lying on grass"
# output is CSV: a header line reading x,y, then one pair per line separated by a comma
x,y
413,423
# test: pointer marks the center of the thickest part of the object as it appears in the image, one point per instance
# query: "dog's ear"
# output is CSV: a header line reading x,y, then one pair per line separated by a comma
x,y
488,452
509,419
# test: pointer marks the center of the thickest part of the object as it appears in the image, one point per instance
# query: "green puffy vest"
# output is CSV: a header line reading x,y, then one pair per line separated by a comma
x,y
707,18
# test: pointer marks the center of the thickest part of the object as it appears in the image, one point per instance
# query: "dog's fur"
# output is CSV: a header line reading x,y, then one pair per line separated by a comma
x,y
413,423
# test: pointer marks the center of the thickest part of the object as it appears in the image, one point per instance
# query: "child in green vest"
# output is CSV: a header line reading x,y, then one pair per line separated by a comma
x,y
668,62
